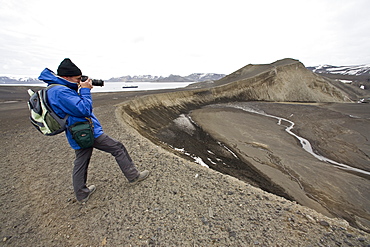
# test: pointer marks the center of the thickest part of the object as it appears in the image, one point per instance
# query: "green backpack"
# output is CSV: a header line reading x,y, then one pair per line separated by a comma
x,y
42,116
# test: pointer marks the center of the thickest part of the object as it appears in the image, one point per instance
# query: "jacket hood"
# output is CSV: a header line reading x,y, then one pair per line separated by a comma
x,y
49,77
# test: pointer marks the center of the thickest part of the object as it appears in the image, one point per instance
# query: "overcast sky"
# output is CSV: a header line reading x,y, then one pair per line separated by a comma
x,y
110,38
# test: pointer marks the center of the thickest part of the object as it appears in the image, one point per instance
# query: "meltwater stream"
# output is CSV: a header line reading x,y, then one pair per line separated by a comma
x,y
306,145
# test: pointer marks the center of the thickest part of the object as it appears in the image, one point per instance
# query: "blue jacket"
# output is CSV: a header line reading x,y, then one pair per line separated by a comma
x,y
69,100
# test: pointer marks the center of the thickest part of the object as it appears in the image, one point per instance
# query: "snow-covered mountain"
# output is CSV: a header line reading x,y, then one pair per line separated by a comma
x,y
356,70
356,75
135,78
18,80
195,77
198,77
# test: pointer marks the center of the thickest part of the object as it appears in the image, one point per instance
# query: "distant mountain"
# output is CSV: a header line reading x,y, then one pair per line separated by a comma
x,y
135,78
199,77
357,75
195,77
18,80
173,78
357,70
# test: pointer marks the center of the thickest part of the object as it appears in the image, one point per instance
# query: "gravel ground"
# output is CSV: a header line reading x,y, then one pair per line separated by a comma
x,y
180,204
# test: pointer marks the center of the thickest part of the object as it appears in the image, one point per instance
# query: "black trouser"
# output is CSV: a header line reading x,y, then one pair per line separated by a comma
x,y
81,163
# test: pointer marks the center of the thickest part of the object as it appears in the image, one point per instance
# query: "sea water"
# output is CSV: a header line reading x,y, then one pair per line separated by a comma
x,y
141,86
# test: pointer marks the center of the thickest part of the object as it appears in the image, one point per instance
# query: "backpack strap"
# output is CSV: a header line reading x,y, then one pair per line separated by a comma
x,y
60,120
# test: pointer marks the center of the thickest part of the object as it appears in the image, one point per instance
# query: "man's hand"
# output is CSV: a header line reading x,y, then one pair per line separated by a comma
x,y
86,84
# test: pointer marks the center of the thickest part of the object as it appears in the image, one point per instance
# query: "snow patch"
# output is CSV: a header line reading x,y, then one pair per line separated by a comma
x,y
346,81
185,124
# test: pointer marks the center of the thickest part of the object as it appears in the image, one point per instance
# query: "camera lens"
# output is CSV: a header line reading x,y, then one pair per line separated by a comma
x,y
97,82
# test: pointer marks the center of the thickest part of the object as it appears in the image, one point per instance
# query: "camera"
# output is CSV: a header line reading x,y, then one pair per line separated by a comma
x,y
95,82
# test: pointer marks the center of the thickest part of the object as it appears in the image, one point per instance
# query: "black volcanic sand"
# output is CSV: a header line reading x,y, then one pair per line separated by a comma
x,y
180,204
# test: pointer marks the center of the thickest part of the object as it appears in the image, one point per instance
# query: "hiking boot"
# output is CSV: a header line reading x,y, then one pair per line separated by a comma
x,y
92,189
143,175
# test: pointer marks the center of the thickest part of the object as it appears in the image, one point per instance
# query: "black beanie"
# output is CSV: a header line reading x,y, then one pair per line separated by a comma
x,y
67,68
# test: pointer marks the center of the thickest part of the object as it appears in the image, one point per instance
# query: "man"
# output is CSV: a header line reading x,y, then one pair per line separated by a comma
x,y
73,98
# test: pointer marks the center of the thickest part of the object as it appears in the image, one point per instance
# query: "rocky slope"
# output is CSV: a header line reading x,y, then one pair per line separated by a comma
x,y
284,80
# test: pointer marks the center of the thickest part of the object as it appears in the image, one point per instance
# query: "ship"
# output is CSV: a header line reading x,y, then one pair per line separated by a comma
x,y
130,86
